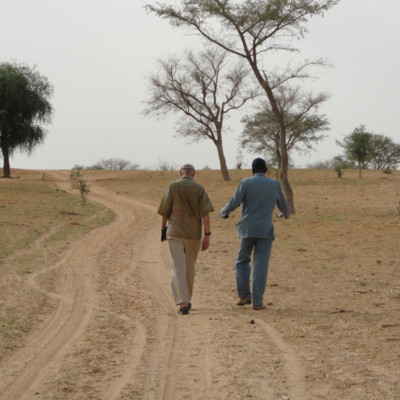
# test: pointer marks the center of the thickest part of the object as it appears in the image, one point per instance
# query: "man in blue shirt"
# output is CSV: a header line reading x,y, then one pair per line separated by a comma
x,y
258,196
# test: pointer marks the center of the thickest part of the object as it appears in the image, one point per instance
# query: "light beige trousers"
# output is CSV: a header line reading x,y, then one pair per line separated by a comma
x,y
183,254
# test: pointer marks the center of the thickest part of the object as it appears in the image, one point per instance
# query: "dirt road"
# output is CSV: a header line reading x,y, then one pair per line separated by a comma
x,y
115,333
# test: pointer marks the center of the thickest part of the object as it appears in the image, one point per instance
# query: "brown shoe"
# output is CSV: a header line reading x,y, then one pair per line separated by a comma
x,y
244,301
257,308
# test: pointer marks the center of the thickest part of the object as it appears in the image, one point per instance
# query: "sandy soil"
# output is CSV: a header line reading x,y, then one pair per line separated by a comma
x,y
114,332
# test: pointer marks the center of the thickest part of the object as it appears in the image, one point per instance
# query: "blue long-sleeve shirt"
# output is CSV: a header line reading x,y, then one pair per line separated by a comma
x,y
258,195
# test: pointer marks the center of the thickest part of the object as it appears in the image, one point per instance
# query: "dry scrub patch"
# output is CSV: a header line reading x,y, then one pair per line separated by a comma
x,y
38,223
334,280
331,329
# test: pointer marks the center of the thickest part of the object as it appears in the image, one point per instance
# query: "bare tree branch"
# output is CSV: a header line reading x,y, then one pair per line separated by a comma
x,y
249,29
201,88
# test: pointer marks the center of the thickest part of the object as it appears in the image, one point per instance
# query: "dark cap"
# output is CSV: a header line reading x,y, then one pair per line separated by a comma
x,y
259,163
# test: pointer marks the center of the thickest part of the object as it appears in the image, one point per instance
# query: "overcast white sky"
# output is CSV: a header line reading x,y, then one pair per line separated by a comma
x,y
97,54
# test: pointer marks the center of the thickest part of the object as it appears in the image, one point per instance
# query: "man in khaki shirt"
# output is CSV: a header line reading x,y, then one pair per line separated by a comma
x,y
186,207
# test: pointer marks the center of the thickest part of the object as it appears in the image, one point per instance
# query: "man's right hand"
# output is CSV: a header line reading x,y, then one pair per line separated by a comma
x,y
205,244
164,234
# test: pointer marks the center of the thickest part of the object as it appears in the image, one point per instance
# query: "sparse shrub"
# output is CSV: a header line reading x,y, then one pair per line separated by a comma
x,y
115,164
94,167
339,172
339,163
343,162
320,165
166,166
387,171
239,160
77,166
80,184
134,167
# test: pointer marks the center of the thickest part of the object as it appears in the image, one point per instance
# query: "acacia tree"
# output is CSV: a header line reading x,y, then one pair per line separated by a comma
x,y
114,164
202,90
358,147
25,106
385,153
251,29
303,125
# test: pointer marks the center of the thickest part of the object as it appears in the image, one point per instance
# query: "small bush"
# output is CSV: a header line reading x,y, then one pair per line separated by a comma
x,y
166,166
117,164
320,165
80,184
339,172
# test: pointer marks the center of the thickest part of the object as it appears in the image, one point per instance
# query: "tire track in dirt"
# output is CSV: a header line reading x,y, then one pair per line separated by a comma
x,y
168,362
170,356
125,211
292,364
171,360
129,370
177,365
270,370
179,362
75,303
72,312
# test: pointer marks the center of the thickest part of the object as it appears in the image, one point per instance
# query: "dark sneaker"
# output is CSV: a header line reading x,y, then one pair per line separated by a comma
x,y
244,301
183,311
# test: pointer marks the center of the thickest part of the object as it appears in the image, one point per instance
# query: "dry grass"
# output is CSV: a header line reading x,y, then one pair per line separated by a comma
x,y
334,282
38,222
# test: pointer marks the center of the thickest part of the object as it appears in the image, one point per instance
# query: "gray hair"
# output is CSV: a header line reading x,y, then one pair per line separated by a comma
x,y
188,167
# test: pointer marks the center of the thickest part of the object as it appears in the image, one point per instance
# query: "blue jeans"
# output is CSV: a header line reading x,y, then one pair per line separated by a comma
x,y
262,252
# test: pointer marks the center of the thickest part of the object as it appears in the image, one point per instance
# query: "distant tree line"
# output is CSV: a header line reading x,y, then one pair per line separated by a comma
x,y
115,164
363,150
120,164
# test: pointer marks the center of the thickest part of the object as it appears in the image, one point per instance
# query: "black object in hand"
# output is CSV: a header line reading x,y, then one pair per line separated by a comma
x,y
225,216
164,234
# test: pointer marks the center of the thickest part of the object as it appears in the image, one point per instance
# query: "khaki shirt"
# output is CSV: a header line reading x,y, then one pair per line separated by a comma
x,y
184,204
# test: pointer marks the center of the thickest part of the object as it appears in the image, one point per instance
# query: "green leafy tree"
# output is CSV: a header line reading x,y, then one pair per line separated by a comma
x,y
25,107
385,153
358,147
303,126
202,89
251,30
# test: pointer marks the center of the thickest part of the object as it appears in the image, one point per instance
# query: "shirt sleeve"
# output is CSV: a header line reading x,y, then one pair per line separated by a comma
x,y
165,207
235,201
205,204
282,202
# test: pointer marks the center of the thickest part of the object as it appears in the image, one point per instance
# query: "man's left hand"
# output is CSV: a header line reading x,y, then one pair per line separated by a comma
x,y
205,244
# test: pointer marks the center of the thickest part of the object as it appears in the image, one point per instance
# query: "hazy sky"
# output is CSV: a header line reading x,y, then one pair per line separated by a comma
x,y
97,54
